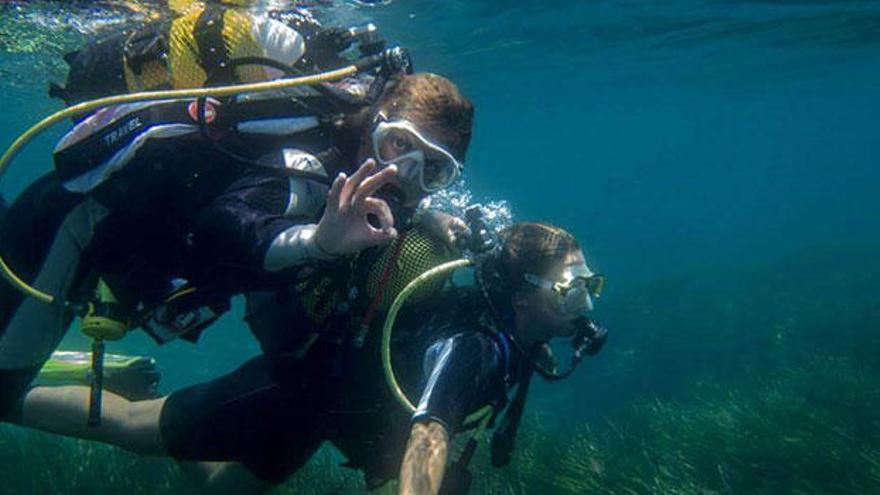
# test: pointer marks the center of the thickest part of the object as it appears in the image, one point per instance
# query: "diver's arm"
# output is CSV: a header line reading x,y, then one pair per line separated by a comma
x,y
294,246
443,226
344,227
425,458
256,227
462,373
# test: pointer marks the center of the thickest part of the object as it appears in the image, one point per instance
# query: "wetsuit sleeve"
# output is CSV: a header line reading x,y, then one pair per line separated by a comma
x,y
464,373
251,230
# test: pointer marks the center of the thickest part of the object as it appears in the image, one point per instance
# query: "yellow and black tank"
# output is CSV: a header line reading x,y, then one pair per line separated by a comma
x,y
196,44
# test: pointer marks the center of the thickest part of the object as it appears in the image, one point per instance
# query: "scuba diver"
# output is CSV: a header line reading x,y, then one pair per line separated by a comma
x,y
468,348
173,206
172,54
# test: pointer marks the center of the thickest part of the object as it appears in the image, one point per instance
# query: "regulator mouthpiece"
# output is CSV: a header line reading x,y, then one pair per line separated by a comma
x,y
588,339
589,336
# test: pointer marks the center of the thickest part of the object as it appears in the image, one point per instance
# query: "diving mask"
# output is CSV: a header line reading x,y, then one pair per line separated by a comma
x,y
575,290
418,159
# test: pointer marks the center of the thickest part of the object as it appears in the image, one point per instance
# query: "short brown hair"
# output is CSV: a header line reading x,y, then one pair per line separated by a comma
x,y
435,104
534,248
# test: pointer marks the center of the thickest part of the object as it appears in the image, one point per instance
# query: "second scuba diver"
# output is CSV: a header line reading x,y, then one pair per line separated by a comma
x,y
471,351
176,205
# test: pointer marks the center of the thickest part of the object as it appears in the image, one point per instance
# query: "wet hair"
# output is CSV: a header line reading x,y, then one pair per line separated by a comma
x,y
434,104
533,248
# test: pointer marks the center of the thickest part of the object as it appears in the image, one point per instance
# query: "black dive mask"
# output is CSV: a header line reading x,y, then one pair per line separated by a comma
x,y
587,340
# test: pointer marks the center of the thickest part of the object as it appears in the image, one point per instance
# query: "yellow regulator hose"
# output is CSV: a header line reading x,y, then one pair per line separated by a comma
x,y
401,298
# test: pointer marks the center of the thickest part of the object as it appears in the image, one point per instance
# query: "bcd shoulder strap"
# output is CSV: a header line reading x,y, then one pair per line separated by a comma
x,y
212,50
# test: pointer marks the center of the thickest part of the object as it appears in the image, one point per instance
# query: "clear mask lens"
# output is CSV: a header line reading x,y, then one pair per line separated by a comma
x,y
417,158
591,284
577,294
438,172
393,143
576,300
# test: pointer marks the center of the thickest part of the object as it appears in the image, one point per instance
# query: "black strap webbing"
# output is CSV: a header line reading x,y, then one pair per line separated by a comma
x,y
274,108
213,56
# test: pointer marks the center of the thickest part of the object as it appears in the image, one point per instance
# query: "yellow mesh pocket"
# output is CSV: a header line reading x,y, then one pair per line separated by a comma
x,y
184,7
154,75
319,300
418,254
186,72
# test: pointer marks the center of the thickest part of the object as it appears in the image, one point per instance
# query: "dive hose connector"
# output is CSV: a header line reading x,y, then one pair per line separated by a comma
x,y
480,239
392,60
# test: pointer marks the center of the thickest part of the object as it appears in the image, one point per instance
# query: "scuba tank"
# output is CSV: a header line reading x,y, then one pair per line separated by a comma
x,y
204,45
105,142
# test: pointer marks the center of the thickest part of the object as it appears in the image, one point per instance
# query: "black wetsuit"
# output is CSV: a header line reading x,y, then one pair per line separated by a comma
x,y
27,229
275,411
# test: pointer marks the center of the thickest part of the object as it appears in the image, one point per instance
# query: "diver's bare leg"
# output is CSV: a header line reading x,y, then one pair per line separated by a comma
x,y
132,426
229,477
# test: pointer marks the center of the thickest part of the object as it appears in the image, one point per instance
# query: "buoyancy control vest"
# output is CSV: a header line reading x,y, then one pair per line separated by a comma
x,y
105,144
342,300
211,44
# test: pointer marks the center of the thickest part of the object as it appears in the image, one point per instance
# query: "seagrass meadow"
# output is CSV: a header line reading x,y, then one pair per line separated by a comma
x,y
718,161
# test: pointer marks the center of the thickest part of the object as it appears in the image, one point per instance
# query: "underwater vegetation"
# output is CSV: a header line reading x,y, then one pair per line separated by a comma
x,y
812,429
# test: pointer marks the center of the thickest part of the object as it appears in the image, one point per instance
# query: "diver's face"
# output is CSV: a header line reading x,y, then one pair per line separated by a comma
x,y
424,164
543,313
407,186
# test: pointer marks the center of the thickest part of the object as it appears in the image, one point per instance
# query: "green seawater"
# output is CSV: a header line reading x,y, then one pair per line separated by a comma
x,y
718,159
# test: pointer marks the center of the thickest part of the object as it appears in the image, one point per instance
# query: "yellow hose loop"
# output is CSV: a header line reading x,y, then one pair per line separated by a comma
x,y
411,287
21,285
88,106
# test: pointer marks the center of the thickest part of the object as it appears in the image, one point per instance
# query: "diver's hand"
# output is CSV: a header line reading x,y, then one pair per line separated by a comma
x,y
443,226
345,227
